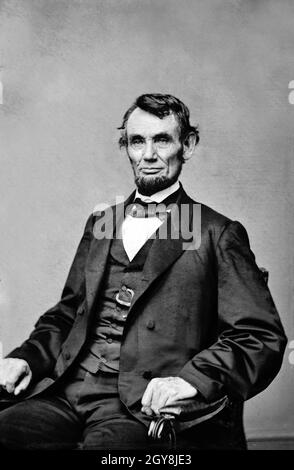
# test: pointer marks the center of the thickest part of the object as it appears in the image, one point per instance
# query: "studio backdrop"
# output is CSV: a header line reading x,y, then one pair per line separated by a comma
x,y
68,71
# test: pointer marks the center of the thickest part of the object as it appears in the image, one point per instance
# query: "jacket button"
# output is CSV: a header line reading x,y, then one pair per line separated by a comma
x,y
109,340
147,374
81,312
67,356
151,324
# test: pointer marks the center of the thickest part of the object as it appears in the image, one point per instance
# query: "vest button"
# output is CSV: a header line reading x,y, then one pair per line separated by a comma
x,y
151,324
147,374
67,356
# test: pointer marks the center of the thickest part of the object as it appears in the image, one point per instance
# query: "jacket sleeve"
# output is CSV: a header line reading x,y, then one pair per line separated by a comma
x,y
251,341
42,347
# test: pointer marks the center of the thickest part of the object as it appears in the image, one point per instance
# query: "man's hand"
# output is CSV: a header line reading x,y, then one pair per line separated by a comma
x,y
15,375
164,391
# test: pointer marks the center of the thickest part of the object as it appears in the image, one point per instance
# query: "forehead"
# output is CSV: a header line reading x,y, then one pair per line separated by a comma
x,y
147,124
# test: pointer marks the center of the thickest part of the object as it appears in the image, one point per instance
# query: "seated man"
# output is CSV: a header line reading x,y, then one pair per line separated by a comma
x,y
163,301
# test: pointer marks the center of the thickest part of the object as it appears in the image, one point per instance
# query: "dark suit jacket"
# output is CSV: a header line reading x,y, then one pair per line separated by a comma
x,y
215,323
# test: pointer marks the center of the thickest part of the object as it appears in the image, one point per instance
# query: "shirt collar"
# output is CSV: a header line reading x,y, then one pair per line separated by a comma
x,y
160,195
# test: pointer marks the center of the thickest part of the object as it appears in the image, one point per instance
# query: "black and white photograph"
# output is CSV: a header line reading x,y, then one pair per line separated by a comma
x,y
146,255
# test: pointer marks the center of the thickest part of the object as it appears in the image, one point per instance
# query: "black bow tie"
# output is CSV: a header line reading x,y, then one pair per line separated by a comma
x,y
143,209
144,203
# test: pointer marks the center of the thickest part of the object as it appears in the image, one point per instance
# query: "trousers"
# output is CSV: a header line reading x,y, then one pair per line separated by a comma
x,y
85,413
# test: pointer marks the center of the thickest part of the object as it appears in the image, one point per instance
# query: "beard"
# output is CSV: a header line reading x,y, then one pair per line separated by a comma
x,y
150,185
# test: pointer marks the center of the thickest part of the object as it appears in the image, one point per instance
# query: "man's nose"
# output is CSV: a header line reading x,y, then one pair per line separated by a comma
x,y
150,151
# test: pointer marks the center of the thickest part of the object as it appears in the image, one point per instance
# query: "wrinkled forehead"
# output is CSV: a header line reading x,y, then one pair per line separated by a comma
x,y
146,124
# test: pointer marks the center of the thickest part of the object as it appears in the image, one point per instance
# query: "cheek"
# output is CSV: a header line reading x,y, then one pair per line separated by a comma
x,y
172,160
171,156
134,157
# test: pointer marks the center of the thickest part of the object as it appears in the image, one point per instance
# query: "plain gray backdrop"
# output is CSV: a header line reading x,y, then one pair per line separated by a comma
x,y
70,69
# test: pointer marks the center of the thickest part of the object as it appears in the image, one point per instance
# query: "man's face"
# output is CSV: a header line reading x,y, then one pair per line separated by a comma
x,y
154,149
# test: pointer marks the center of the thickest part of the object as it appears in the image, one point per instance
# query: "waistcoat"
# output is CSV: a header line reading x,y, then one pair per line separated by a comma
x,y
102,349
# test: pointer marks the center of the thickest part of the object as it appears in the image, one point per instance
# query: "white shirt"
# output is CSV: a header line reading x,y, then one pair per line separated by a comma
x,y
135,231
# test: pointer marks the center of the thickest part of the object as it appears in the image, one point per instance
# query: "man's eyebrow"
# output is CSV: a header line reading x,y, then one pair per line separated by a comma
x,y
163,135
160,135
136,136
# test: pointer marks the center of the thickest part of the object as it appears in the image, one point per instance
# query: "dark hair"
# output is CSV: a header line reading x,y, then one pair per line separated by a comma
x,y
161,106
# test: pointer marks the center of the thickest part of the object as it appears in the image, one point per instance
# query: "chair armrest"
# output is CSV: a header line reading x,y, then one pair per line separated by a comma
x,y
194,409
191,411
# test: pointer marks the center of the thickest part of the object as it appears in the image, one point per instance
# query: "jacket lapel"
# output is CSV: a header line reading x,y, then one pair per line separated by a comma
x,y
166,249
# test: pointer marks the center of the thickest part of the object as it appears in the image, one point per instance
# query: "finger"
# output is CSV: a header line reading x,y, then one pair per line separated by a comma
x,y
147,410
155,400
160,395
11,380
13,375
171,399
9,387
23,384
147,396
162,399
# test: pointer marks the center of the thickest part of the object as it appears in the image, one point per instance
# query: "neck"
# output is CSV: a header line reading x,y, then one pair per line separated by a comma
x,y
159,196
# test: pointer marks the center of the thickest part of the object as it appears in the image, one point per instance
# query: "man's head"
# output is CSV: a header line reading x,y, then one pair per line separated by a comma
x,y
158,139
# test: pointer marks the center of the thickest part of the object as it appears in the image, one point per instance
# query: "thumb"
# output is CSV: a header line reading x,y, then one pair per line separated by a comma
x,y
23,383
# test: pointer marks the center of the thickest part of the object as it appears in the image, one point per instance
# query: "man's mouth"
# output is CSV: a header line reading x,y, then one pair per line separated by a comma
x,y
150,171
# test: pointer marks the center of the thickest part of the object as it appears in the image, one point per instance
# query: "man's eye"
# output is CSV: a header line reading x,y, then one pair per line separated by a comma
x,y
137,141
162,141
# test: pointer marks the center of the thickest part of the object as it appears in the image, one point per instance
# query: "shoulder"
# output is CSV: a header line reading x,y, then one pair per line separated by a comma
x,y
215,226
211,220
209,215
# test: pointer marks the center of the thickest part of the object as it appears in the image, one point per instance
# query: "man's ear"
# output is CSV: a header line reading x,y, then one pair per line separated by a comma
x,y
189,145
124,151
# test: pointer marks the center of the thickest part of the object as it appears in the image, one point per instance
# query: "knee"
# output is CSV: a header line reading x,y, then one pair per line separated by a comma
x,y
116,436
5,427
